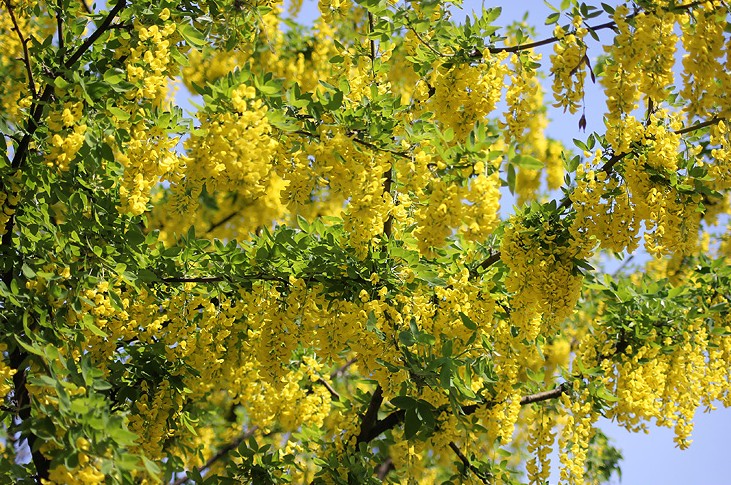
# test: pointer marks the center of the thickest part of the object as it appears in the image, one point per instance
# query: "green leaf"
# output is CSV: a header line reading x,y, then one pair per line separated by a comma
x,y
467,321
412,423
404,402
119,114
527,162
88,323
60,83
151,467
146,275
192,35
28,271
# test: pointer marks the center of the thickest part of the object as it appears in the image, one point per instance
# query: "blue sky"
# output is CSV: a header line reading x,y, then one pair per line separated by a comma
x,y
649,458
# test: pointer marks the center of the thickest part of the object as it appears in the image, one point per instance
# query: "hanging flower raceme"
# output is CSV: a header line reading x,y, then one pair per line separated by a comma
x,y
568,66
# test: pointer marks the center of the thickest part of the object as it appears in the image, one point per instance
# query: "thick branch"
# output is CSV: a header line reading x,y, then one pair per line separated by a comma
x,y
370,418
59,29
220,454
22,404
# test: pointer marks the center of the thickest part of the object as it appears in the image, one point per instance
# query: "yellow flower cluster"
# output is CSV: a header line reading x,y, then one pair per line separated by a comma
x,y
567,66
540,444
541,276
9,198
85,474
473,209
332,8
465,94
234,151
641,63
149,65
667,378
208,65
575,436
6,373
147,156
704,74
153,412
523,97
720,169
610,221
66,134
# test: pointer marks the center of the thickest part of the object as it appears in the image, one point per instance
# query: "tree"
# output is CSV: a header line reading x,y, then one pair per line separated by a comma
x,y
309,279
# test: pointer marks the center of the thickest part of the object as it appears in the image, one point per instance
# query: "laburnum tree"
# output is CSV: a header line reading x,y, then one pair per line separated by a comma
x,y
308,277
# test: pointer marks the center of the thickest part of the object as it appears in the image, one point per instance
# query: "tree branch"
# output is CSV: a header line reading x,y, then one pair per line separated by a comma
x,y
219,279
220,454
427,45
607,25
24,43
96,34
59,29
370,418
385,467
364,143
22,403
86,7
333,393
466,463
341,370
396,417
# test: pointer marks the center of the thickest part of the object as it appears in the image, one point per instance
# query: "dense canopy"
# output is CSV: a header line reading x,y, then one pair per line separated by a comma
x,y
315,274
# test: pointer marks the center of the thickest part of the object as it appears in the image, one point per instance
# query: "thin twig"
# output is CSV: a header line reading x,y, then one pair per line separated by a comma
x,y
219,279
373,47
333,393
86,7
220,454
223,221
341,370
608,25
466,463
96,34
384,468
360,142
427,45
194,279
24,43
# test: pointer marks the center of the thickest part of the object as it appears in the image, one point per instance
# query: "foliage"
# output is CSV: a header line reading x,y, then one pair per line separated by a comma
x,y
308,279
